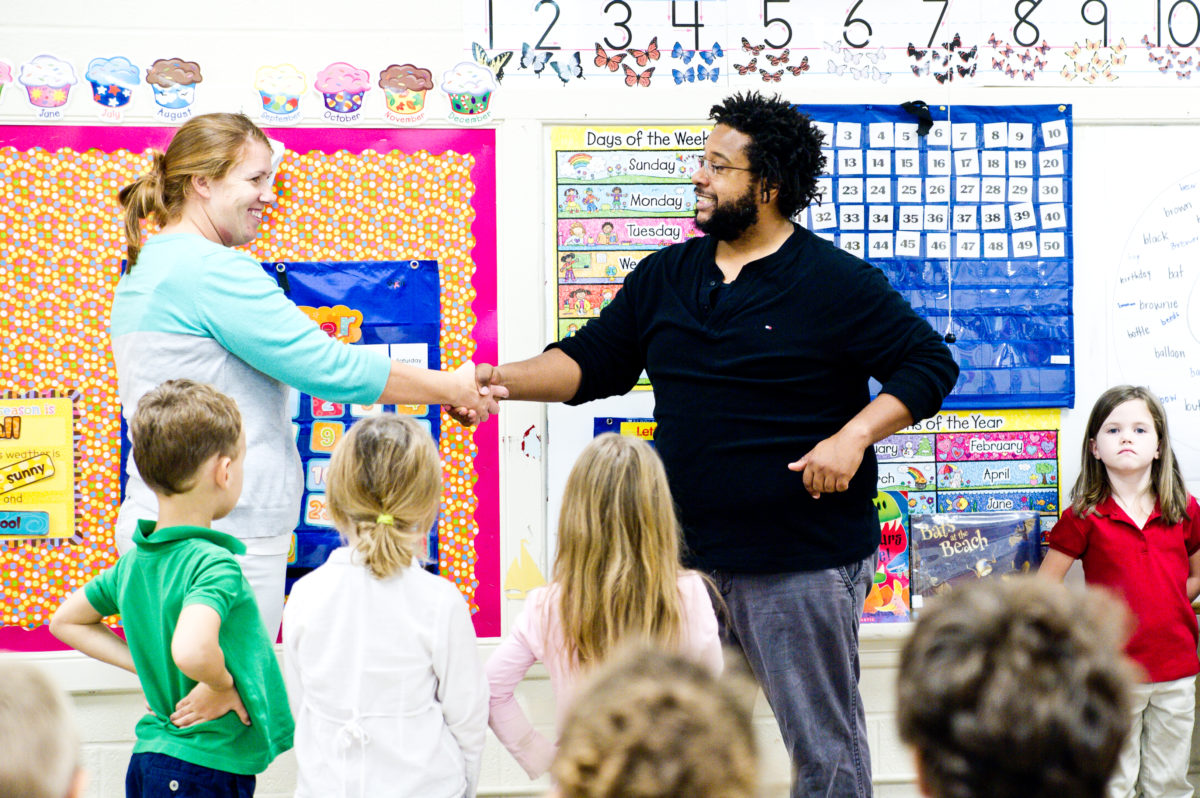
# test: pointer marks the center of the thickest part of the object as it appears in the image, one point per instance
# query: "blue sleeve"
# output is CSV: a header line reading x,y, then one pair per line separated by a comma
x,y
247,313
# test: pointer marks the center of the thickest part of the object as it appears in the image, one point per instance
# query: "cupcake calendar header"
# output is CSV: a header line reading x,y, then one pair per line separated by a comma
x,y
174,89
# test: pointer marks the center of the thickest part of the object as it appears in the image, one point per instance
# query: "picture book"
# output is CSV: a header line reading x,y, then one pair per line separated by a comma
x,y
948,548
888,600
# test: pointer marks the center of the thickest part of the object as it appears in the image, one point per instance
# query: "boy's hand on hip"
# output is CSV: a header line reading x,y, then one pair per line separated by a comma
x,y
204,703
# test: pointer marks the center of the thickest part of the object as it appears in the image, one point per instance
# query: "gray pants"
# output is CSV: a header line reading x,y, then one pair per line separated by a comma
x,y
799,632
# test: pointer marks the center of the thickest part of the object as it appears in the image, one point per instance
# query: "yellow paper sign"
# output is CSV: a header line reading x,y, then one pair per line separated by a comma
x,y
37,468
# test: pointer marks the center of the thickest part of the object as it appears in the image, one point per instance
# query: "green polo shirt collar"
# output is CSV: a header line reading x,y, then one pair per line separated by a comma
x,y
172,534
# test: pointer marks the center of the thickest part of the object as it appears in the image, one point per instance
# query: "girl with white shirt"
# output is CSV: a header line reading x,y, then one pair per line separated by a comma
x,y
617,578
379,655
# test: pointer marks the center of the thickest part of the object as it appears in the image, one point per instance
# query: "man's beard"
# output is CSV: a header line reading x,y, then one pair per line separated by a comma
x,y
728,221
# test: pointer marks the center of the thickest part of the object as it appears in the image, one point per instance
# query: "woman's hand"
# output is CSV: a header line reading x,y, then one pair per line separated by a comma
x,y
476,399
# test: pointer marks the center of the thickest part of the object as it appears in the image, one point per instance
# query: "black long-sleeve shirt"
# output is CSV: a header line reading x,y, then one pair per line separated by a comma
x,y
752,383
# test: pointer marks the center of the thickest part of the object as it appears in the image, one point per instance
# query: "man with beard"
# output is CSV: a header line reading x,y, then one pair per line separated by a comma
x,y
759,340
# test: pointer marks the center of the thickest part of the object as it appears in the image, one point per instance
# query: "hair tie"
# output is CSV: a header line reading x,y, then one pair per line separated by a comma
x,y
384,518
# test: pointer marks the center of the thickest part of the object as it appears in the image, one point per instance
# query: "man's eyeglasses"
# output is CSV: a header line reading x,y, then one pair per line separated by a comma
x,y
719,169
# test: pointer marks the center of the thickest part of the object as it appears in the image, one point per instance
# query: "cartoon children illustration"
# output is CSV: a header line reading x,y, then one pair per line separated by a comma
x,y
589,200
580,302
607,234
571,330
571,201
615,194
567,269
576,235
606,296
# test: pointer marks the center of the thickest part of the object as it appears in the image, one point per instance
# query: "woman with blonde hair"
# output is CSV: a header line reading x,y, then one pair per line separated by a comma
x,y
190,306
380,655
617,578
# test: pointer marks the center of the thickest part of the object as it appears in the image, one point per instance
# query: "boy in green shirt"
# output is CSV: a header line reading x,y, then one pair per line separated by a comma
x,y
193,632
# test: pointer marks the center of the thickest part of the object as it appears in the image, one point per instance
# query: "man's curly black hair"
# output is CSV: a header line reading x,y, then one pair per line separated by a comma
x,y
784,150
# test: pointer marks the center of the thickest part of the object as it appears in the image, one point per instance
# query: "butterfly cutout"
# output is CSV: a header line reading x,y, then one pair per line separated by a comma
x,y
603,59
1067,73
776,60
876,56
1027,75
1006,51
1119,47
1039,63
1024,57
875,73
1108,75
993,41
753,50
708,56
703,73
1186,62
1095,45
688,75
532,59
953,44
1118,60
997,63
1045,47
918,69
751,67
634,79
943,77
915,53
571,69
769,76
1165,68
1010,72
1158,59
1146,40
686,55
798,68
1180,75
644,57
495,64
966,72
967,55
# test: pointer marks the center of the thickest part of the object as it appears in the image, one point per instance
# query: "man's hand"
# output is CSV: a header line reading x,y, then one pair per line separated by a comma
x,y
204,703
478,396
486,382
830,464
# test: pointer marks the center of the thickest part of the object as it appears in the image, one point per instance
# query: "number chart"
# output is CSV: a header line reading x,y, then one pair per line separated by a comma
x,y
907,42
971,221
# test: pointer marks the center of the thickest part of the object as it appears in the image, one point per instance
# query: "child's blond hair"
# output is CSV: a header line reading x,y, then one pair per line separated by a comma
x,y
39,745
384,491
1166,480
617,566
656,725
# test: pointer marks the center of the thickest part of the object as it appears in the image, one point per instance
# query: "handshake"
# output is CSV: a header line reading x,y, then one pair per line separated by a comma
x,y
477,391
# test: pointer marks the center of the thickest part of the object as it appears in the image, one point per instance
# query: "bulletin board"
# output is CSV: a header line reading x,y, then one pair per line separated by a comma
x,y
344,195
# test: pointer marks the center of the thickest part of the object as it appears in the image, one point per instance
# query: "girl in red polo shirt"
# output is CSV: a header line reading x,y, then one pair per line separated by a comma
x,y
1137,531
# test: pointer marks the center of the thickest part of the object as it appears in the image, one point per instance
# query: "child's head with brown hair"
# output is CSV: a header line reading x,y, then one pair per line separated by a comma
x,y
1166,480
205,146
617,565
655,725
384,491
39,744
176,428
1016,688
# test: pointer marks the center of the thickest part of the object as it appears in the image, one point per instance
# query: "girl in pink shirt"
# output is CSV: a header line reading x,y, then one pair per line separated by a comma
x,y
617,577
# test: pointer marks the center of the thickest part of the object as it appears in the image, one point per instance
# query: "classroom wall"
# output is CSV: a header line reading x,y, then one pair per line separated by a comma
x,y
1129,145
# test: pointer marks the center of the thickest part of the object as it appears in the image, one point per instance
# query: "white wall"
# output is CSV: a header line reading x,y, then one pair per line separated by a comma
x,y
230,39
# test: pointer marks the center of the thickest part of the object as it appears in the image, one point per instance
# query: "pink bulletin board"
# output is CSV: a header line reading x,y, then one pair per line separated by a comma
x,y
344,195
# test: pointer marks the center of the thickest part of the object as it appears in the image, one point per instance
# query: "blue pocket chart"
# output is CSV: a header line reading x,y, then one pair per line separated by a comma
x,y
400,303
972,224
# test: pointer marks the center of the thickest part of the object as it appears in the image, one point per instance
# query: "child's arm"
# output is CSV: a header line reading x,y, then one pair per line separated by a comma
x,y
196,649
1193,579
1055,566
462,689
77,624
505,670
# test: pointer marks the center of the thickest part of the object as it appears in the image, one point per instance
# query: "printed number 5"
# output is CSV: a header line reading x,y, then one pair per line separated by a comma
x,y
852,20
